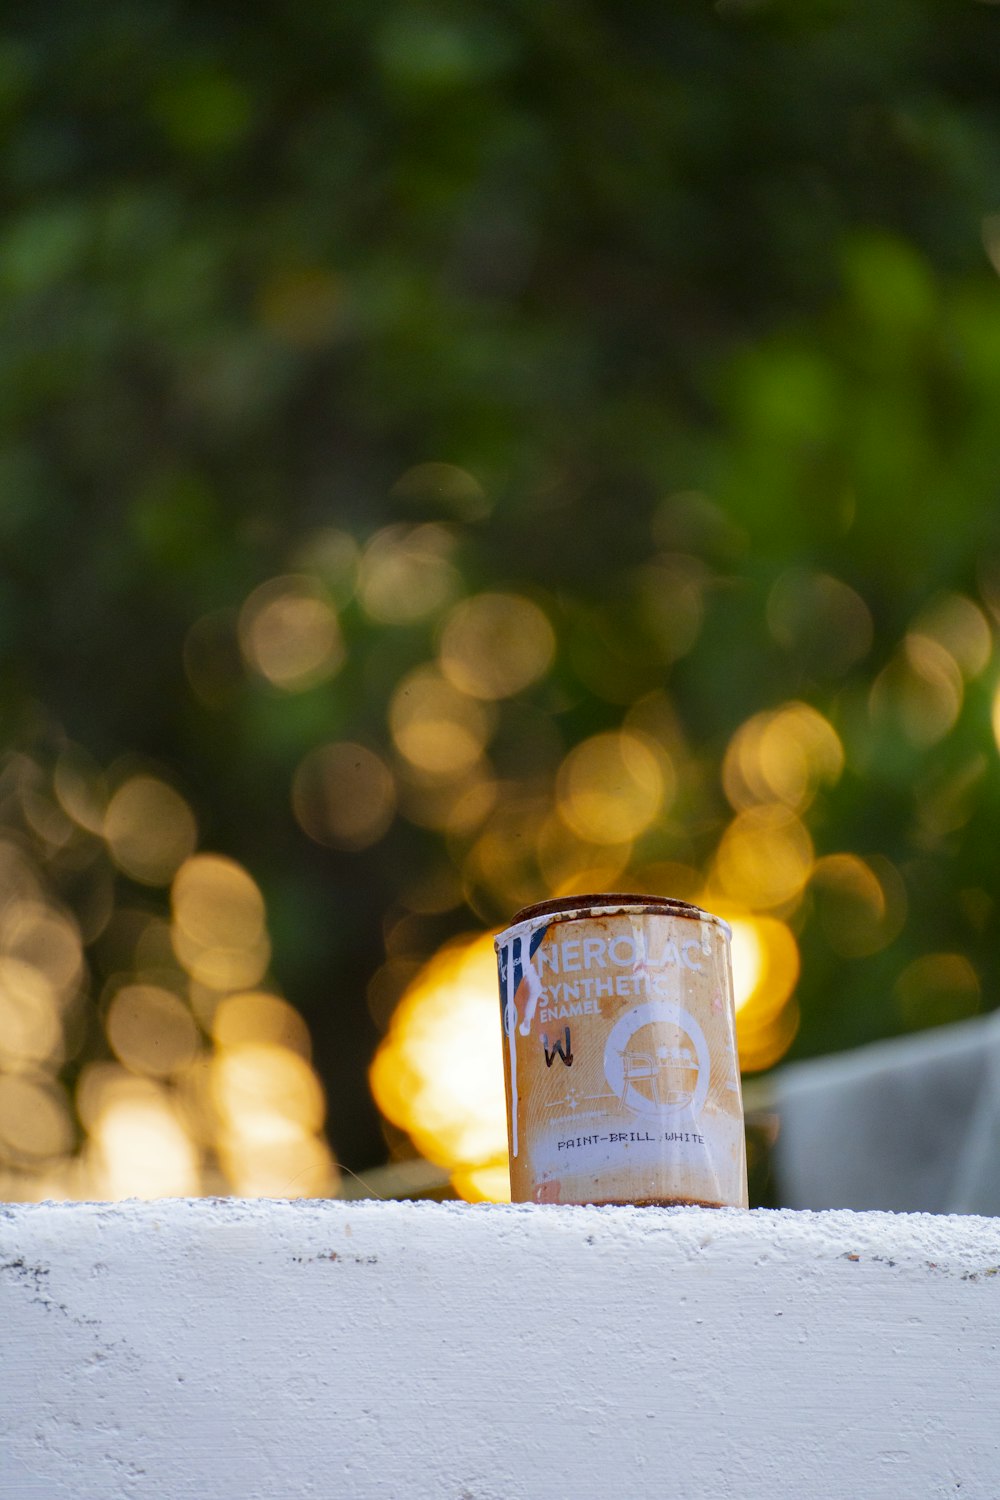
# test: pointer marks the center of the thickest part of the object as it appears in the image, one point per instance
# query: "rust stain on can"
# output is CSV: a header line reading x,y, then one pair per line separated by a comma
x,y
620,1053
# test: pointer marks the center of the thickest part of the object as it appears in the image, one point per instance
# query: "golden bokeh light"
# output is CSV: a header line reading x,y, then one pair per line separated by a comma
x,y
139,1147
99,1083
268,1101
289,633
437,728
764,858
31,1023
45,939
219,933
53,1179
142,1048
256,1016
612,787
654,716
81,788
332,556
301,1166
781,755
170,1110
216,901
151,1030
861,904
765,959
25,786
149,829
500,872
343,795
266,1093
46,819
919,692
191,1096
938,988
406,574
34,1119
453,805
762,1045
438,1074
960,626
495,645
218,967
19,879
489,1184
572,865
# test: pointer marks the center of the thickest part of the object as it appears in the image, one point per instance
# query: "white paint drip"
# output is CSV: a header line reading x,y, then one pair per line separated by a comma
x,y
532,981
510,1026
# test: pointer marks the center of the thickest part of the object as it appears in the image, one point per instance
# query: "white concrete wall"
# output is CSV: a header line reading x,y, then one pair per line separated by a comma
x,y
230,1351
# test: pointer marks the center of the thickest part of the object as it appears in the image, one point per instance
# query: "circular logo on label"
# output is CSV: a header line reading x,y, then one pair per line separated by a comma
x,y
656,1060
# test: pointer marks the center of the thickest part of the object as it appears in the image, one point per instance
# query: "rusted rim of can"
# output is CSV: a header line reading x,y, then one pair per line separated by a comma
x,y
566,908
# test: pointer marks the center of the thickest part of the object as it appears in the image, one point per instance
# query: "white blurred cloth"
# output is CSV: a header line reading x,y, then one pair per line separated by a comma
x,y
911,1124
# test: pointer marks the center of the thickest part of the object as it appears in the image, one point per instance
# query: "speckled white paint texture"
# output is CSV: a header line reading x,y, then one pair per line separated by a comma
x,y
266,1351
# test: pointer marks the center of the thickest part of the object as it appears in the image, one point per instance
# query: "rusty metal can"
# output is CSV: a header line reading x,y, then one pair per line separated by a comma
x,y
619,1033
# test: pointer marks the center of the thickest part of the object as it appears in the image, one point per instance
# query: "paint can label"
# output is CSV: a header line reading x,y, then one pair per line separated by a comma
x,y
620,1059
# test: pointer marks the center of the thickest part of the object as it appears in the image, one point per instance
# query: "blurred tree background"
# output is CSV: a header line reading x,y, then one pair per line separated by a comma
x,y
458,453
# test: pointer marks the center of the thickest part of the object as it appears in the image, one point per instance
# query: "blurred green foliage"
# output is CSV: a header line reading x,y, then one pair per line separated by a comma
x,y
687,282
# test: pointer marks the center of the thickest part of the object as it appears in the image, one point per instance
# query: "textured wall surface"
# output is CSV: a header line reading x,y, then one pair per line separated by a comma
x,y
231,1351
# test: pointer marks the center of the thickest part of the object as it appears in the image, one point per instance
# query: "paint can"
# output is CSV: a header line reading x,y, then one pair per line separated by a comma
x,y
619,1041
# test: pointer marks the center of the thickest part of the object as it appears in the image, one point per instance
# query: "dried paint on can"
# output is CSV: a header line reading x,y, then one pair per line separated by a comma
x,y
619,1031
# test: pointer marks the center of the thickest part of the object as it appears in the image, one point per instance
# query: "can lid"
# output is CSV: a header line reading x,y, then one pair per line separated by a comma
x,y
605,903
610,901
